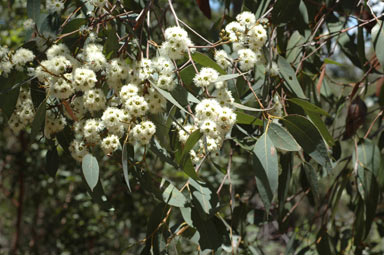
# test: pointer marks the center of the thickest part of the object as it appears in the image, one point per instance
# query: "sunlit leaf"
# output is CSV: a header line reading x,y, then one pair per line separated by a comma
x,y
90,170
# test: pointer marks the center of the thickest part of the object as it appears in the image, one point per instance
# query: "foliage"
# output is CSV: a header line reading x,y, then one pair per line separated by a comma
x,y
300,170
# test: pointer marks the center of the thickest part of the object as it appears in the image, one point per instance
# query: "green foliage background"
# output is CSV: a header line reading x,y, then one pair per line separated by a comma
x,y
308,184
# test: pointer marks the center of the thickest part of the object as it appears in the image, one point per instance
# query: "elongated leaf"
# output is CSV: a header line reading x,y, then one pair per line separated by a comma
x,y
378,41
33,9
281,138
227,77
243,118
9,92
162,153
187,75
190,143
211,233
325,245
188,167
90,170
247,108
111,45
263,5
309,138
204,198
368,156
307,106
266,168
170,98
173,197
316,119
206,61
286,160
311,176
127,148
294,47
98,196
52,161
39,119
367,163
332,62
290,78
285,11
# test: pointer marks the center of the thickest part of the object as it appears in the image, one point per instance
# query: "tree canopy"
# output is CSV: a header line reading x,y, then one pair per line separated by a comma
x,y
191,127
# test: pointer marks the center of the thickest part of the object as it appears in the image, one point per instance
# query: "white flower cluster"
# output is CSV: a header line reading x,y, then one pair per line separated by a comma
x,y
164,73
24,112
206,77
17,60
214,118
176,43
222,59
105,101
5,63
29,24
77,83
54,5
248,36
54,123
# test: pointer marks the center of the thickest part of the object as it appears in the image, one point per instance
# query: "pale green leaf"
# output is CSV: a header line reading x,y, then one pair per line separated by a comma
x,y
90,170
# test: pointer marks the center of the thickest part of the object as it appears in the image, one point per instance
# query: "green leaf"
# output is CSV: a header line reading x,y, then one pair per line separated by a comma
x,y
294,47
227,77
349,48
204,198
324,245
111,45
284,11
162,153
316,119
169,97
367,165
187,75
261,9
332,62
98,196
73,25
247,108
211,233
290,78
378,41
172,196
90,170
127,148
189,169
307,106
52,161
33,10
368,156
266,168
312,178
38,121
64,138
244,118
286,160
206,61
281,138
180,94
10,92
190,143
309,138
